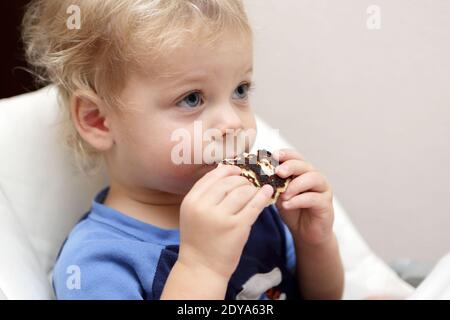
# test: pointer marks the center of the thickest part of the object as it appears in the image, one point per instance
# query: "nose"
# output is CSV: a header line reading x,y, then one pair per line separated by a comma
x,y
230,125
228,120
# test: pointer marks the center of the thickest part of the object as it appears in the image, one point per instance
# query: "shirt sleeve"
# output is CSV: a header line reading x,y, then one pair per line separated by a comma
x,y
291,259
290,250
96,275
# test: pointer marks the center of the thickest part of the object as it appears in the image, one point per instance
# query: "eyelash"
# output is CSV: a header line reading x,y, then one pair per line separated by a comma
x,y
249,88
189,94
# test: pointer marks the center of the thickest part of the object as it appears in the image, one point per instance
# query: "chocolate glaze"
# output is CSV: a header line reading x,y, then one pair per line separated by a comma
x,y
252,162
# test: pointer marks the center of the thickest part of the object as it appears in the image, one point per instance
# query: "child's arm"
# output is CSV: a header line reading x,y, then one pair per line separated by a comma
x,y
194,283
215,222
307,209
319,270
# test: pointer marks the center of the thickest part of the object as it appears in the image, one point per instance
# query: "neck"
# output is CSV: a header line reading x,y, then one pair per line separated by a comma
x,y
155,207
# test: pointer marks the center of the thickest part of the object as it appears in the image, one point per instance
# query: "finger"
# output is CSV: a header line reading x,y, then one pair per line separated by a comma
x,y
210,178
217,192
310,181
307,200
293,168
284,154
236,200
256,204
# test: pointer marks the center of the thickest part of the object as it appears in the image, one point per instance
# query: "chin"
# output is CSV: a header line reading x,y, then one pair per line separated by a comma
x,y
184,180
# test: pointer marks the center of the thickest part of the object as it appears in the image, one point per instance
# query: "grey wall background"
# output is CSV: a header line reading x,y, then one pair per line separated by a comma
x,y
369,108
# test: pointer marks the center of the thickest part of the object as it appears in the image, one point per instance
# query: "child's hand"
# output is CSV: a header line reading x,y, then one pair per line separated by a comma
x,y
306,206
215,220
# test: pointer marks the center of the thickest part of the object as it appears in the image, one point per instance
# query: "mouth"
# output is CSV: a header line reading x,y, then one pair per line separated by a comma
x,y
215,162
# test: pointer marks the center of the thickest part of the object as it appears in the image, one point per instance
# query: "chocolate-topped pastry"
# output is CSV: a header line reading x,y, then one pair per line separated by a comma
x,y
259,169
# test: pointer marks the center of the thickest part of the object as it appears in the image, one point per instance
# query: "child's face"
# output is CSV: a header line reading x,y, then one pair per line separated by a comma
x,y
196,84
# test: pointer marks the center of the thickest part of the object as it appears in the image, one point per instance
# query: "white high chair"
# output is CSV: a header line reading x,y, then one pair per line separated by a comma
x,y
42,196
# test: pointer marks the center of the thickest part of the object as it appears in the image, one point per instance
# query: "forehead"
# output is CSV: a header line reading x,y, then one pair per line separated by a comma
x,y
228,53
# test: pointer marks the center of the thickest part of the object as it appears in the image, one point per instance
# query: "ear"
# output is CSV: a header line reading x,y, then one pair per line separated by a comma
x,y
90,116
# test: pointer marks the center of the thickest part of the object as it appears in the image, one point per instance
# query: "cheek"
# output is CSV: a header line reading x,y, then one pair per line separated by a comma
x,y
144,155
162,174
177,179
146,159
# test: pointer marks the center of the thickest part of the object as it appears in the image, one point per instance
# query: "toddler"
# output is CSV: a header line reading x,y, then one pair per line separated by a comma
x,y
134,78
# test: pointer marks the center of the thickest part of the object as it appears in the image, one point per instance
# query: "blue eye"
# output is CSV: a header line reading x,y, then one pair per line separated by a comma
x,y
192,100
241,92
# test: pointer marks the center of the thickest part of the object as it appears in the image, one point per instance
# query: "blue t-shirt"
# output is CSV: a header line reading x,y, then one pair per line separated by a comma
x,y
109,255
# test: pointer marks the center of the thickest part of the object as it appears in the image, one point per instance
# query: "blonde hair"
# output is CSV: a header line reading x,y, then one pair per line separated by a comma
x,y
115,38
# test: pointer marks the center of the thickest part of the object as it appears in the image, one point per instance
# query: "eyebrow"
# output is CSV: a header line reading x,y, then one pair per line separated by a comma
x,y
192,77
195,77
249,70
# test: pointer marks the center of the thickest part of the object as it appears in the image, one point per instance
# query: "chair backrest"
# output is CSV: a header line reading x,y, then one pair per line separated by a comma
x,y
42,194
